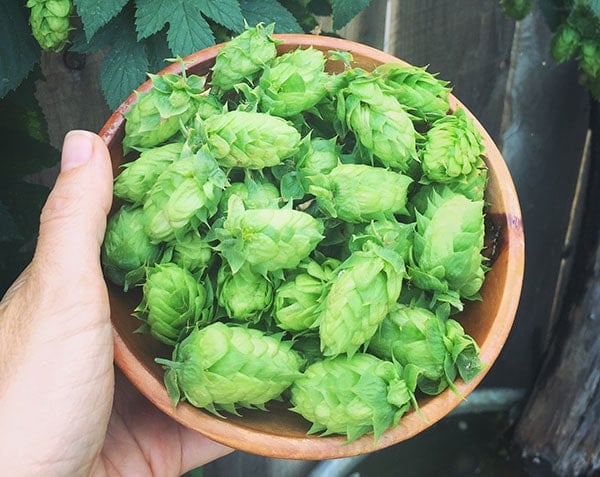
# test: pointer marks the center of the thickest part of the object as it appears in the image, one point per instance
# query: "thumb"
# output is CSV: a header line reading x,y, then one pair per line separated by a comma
x,y
73,220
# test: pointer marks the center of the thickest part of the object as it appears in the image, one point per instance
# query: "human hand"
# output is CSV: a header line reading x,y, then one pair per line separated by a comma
x,y
63,410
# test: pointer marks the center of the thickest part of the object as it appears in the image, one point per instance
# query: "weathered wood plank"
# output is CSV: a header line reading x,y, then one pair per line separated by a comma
x,y
560,421
468,45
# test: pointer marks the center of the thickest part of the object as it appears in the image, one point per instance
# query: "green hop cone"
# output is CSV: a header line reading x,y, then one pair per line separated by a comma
x,y
268,240
174,301
138,176
244,295
50,22
225,367
351,396
192,252
249,140
126,249
366,286
293,82
453,149
386,233
517,9
298,301
317,156
589,60
431,343
242,58
185,195
379,122
419,91
159,113
255,194
449,238
358,193
565,43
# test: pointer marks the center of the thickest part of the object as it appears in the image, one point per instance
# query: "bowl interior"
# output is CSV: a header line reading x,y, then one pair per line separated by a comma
x,y
280,433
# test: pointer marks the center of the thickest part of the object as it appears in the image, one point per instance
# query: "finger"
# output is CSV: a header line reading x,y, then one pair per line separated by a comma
x,y
73,220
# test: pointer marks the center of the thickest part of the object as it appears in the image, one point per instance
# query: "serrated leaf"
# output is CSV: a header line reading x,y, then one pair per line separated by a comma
x,y
158,51
224,12
188,30
124,67
104,37
97,13
151,16
270,11
19,52
344,11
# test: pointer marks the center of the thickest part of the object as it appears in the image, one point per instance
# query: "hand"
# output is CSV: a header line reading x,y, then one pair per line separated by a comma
x,y
63,409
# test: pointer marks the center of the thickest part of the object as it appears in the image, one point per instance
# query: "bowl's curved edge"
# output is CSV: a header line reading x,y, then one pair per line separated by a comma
x,y
230,432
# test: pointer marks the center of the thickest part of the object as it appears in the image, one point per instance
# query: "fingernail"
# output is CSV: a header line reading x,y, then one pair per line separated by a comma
x,y
77,149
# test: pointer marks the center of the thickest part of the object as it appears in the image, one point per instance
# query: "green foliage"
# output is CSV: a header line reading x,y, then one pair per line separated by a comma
x,y
576,34
138,35
25,151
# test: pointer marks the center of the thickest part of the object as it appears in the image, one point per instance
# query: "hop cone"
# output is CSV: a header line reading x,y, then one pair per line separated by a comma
x,y
173,302
293,83
255,194
317,156
351,396
221,367
267,239
379,122
386,233
590,58
192,252
127,249
453,148
298,301
185,194
517,9
138,176
565,43
50,23
429,342
244,295
358,193
367,285
243,57
250,140
159,113
419,91
449,237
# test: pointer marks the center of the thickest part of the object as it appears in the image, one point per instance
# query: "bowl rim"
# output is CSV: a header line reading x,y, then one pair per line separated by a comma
x,y
232,432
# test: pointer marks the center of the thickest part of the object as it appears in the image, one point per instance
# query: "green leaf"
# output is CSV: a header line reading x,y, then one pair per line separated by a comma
x,y
151,16
124,67
344,11
270,11
188,30
97,13
105,36
224,12
19,51
158,51
291,187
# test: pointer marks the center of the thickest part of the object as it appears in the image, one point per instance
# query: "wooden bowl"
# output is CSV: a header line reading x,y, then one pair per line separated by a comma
x,y
281,433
